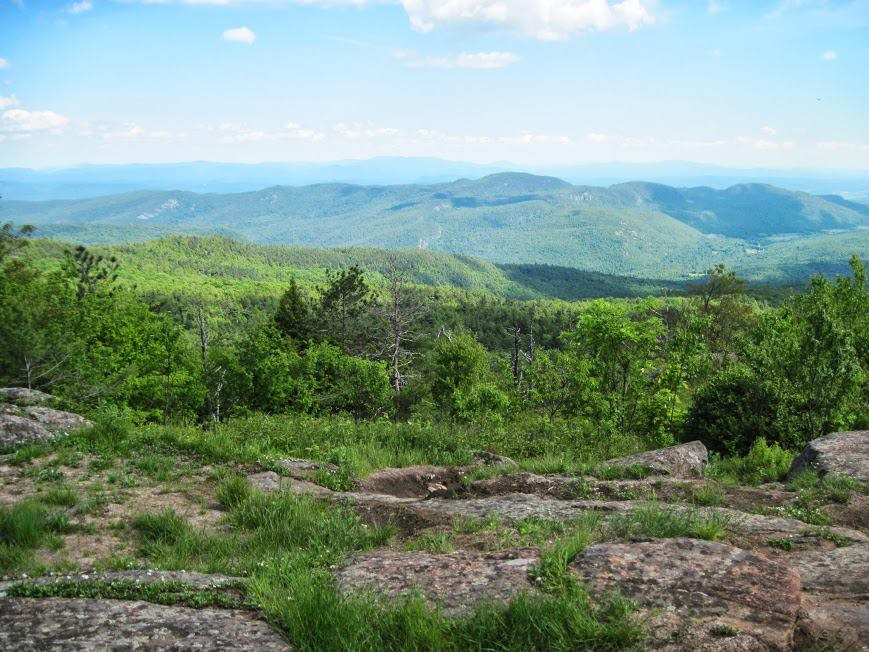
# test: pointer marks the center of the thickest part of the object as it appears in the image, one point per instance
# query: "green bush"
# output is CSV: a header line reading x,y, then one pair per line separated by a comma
x,y
763,463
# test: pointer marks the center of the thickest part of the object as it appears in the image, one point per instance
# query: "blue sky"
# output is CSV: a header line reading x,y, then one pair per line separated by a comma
x,y
779,83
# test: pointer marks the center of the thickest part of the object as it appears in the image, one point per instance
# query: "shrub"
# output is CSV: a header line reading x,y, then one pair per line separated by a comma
x,y
763,463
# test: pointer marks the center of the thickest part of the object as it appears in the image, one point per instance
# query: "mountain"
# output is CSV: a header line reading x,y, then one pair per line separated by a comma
x,y
638,229
77,182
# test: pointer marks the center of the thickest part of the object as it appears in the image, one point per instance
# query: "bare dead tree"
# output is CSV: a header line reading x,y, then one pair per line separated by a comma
x,y
401,311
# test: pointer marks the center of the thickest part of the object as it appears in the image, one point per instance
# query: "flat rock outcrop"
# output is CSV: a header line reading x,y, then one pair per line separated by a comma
x,y
703,581
190,580
680,461
455,581
413,481
835,606
55,623
842,453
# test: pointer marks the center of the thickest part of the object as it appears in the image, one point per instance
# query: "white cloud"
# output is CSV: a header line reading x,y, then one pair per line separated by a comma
x,y
839,146
548,20
597,138
829,55
80,7
714,7
535,139
6,102
234,133
23,120
363,131
466,60
4,63
456,139
239,35
757,143
769,131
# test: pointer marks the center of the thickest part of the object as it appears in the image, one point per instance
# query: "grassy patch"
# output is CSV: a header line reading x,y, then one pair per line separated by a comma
x,y
709,495
433,542
781,544
627,472
25,527
814,489
59,497
661,522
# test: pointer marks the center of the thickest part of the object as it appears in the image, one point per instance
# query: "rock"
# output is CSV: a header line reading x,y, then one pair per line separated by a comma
x,y
844,453
559,486
85,624
827,624
566,487
56,420
836,588
17,431
681,461
413,482
485,458
841,572
456,581
269,481
701,580
24,396
35,424
410,514
190,580
305,469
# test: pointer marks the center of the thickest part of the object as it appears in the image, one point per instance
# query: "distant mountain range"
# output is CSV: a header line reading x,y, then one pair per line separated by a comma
x,y
637,229
82,181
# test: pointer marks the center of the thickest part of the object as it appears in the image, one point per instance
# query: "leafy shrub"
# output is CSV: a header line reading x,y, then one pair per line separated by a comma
x,y
763,463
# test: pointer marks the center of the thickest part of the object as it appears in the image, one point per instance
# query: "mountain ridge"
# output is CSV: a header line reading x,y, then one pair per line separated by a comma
x,y
637,229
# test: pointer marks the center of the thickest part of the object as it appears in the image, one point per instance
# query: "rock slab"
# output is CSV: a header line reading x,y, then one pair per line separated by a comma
x,y
680,461
413,481
842,453
455,581
53,623
702,580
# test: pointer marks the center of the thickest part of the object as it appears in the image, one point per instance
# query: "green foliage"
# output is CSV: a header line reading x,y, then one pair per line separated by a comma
x,y
762,463
802,372
294,317
462,382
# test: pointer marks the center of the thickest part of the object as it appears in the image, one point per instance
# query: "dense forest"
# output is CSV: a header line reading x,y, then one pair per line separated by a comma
x,y
716,364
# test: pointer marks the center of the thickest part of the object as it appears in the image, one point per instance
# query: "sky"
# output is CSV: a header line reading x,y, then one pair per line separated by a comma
x,y
772,83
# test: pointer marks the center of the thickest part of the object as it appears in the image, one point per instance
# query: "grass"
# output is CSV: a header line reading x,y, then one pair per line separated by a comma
x,y
660,522
762,464
432,542
781,544
708,495
25,527
814,489
287,544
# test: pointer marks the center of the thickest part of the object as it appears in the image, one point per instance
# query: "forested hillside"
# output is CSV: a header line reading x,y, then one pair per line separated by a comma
x,y
215,266
635,229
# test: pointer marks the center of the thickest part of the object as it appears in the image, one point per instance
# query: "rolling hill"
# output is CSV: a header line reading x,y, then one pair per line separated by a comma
x,y
636,229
